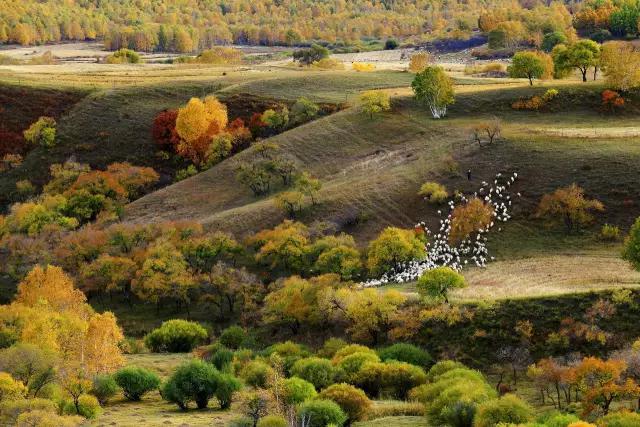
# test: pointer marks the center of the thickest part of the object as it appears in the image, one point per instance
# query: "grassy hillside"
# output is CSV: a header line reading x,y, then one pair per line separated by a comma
x,y
371,169
114,123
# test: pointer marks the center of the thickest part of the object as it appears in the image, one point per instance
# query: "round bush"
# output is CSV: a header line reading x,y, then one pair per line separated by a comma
x,y
352,363
296,390
406,353
257,373
353,401
393,378
321,413
43,418
135,382
233,337
272,421
176,336
88,406
104,387
228,385
319,372
507,409
442,367
195,381
350,349
620,419
470,392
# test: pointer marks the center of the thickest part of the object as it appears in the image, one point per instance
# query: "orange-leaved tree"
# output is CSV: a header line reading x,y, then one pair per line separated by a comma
x,y
468,219
570,205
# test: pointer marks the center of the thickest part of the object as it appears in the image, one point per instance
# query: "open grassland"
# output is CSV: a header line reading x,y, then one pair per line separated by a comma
x,y
544,275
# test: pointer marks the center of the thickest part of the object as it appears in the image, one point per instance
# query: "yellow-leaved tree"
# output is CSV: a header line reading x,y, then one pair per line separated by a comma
x,y
196,124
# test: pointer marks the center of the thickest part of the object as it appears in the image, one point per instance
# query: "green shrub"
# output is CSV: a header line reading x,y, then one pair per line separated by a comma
x,y
434,192
507,409
42,132
228,385
319,372
620,419
88,406
353,401
185,173
176,336
559,420
272,421
257,373
331,347
406,353
303,111
104,387
123,56
393,379
296,390
135,382
460,414
352,364
350,349
233,337
441,367
195,381
321,413
471,393
222,359
610,233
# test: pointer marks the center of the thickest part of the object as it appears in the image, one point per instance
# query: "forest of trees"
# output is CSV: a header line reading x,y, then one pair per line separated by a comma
x,y
190,25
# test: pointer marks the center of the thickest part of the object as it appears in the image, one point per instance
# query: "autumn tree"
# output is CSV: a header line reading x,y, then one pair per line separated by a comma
x,y
282,248
295,302
230,291
436,284
601,383
570,205
374,101
393,247
164,130
469,218
196,124
434,87
553,380
52,286
164,275
309,56
484,133
368,312
528,65
308,186
620,62
419,61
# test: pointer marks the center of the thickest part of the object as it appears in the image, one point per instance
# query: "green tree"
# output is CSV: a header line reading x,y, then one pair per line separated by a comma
x,y
631,250
434,87
437,283
552,39
581,55
309,56
135,382
527,65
